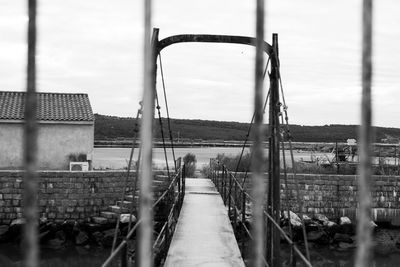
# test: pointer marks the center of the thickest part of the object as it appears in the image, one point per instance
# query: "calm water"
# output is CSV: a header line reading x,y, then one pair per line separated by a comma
x,y
118,158
11,256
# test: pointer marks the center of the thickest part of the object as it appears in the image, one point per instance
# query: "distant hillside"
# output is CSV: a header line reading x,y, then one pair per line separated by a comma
x,y
111,127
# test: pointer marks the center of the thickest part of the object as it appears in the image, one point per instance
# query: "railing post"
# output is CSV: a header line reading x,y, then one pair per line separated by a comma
x,y
179,186
183,181
229,195
223,185
217,178
221,181
243,219
124,254
166,236
210,172
235,211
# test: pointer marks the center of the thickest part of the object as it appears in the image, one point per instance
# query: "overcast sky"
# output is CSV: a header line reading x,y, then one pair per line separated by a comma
x,y
95,47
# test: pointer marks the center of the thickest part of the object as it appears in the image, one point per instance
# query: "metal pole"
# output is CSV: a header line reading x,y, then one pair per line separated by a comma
x,y
234,208
183,181
337,158
211,171
146,137
243,221
30,147
221,181
124,258
229,195
223,184
363,254
274,148
258,134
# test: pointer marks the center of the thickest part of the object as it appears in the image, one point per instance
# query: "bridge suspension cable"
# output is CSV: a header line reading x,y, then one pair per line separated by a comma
x,y
289,138
251,123
167,109
162,132
286,129
134,141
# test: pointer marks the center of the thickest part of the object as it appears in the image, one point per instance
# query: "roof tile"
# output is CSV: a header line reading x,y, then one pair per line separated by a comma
x,y
51,106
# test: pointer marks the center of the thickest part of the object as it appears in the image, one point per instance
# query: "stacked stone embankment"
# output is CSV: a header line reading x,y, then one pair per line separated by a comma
x,y
337,195
64,195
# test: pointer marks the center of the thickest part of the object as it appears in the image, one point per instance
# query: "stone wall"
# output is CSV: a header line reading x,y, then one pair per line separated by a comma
x,y
68,195
336,195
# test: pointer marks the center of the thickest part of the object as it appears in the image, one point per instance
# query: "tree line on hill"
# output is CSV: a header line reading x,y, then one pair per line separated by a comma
x,y
113,128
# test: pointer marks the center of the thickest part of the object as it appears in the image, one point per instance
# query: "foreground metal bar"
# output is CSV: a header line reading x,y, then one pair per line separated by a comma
x,y
30,148
258,155
363,228
146,136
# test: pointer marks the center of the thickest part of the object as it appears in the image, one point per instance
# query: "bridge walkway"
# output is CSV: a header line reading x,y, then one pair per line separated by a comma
x,y
204,234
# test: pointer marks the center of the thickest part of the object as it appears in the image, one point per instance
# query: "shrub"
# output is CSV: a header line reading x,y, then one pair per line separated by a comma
x,y
231,162
77,157
190,164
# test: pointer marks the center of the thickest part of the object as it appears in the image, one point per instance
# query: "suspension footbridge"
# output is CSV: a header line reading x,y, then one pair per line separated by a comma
x,y
175,237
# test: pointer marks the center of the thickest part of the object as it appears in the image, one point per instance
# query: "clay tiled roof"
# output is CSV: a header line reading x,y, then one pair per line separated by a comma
x,y
51,106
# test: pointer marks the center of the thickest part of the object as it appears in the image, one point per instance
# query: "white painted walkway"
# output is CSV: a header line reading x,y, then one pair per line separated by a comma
x,y
203,235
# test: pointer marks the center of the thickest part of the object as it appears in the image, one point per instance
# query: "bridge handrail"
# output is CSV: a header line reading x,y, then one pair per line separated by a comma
x,y
221,168
176,180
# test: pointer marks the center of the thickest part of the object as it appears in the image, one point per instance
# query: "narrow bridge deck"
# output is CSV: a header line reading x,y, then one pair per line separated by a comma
x,y
203,235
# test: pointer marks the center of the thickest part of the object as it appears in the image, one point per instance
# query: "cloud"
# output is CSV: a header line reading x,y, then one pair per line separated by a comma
x,y
95,46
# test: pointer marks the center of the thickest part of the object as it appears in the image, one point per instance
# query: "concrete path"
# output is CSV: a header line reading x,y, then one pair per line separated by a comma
x,y
203,235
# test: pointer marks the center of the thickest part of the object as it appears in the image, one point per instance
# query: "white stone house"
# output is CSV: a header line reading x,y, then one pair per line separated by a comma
x,y
65,129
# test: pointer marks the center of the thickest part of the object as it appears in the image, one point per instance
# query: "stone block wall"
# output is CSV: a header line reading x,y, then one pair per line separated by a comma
x,y
68,195
337,195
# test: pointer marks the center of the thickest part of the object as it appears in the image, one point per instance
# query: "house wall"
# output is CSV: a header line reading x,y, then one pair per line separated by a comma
x,y
55,143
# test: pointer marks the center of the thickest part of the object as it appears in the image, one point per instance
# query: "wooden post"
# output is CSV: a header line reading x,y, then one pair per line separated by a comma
x,y
31,250
274,168
363,254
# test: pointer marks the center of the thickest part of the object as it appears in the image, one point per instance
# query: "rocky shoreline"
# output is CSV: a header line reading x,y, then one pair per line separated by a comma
x,y
340,235
56,236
